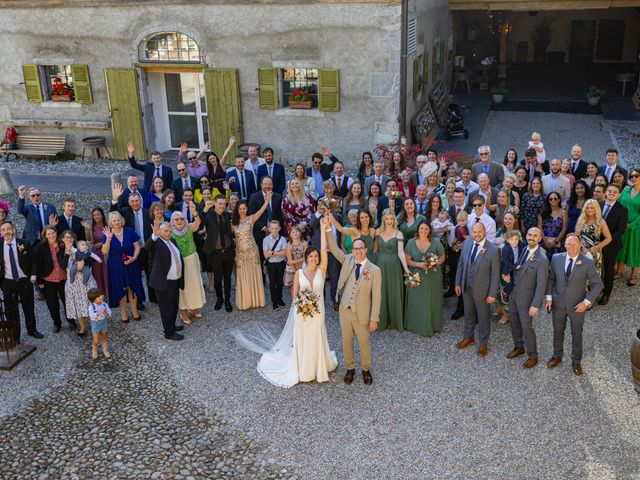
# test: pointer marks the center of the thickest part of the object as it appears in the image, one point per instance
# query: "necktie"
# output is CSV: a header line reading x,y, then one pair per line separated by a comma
x,y
358,266
474,252
339,182
176,258
242,188
607,207
485,168
458,211
466,191
609,173
477,219
158,172
421,210
269,212
184,183
188,214
271,172
575,167
554,183
12,261
40,217
569,268
515,253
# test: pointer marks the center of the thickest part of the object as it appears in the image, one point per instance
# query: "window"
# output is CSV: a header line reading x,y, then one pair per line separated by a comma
x,y
50,75
303,79
610,40
169,47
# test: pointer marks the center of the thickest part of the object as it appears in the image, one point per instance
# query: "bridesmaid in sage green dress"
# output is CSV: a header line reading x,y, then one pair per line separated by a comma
x,y
392,263
423,304
363,230
409,219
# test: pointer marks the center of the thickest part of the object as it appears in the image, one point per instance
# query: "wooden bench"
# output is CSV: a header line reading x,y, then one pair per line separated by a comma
x,y
38,145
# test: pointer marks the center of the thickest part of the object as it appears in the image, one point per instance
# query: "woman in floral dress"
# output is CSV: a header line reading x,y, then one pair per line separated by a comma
x,y
297,208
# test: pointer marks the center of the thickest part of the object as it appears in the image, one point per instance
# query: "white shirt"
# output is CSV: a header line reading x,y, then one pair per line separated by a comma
x,y
7,261
488,222
139,223
254,169
333,229
480,247
269,243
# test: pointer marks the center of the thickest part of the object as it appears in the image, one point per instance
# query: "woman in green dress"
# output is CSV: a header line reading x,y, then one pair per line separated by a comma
x,y
346,241
630,253
392,263
423,304
409,219
363,229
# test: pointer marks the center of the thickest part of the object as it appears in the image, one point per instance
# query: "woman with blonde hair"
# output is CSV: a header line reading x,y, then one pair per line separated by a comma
x,y
297,208
391,259
594,232
308,183
507,185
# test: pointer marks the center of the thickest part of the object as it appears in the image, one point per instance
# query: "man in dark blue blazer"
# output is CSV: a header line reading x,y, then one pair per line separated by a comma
x,y
274,170
132,187
612,166
69,221
151,169
36,216
241,179
578,165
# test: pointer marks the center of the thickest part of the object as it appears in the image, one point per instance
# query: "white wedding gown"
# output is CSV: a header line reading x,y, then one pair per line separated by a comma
x,y
301,353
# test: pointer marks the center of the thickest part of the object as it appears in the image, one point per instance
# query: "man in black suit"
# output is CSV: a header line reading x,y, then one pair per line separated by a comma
x,y
132,187
219,249
17,277
578,165
273,211
167,277
69,221
274,170
153,168
616,215
612,167
319,171
184,180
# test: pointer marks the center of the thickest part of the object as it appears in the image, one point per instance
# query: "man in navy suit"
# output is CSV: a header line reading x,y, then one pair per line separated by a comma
x,y
184,180
167,277
274,170
241,179
37,215
151,169
578,165
616,216
132,187
612,166
69,221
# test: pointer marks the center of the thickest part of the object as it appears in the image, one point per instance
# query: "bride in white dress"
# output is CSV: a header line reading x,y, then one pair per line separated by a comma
x,y
301,352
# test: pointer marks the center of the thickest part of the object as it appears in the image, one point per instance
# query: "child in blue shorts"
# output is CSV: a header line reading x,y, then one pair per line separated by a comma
x,y
99,314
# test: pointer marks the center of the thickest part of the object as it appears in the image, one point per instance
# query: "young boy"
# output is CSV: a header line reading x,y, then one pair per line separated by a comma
x,y
274,248
99,314
511,253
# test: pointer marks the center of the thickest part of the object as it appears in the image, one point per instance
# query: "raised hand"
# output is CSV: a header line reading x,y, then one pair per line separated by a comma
x,y
53,219
116,191
183,148
131,148
268,196
207,144
232,140
325,151
225,185
22,190
156,230
192,208
107,233
85,224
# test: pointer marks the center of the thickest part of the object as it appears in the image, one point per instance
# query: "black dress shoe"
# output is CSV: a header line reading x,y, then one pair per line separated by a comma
x,y
218,305
228,307
174,336
348,377
56,328
456,315
35,334
366,377
141,306
179,328
604,300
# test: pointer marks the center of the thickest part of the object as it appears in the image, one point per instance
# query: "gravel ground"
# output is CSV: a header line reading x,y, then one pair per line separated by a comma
x,y
560,131
88,166
627,135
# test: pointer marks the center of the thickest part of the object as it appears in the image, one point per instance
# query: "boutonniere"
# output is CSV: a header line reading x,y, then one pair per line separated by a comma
x,y
45,207
579,262
483,251
20,248
366,275
531,259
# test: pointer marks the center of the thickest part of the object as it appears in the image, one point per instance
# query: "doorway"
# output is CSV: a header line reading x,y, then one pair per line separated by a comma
x,y
583,38
179,105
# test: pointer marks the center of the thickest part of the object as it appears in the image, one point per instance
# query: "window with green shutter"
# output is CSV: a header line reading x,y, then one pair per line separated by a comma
x,y
31,74
329,89
268,88
81,83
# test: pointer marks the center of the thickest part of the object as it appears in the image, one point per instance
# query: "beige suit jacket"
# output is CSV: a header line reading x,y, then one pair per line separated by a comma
x,y
362,296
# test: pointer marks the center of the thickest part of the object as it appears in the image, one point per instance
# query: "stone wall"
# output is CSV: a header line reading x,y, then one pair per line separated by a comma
x,y
362,40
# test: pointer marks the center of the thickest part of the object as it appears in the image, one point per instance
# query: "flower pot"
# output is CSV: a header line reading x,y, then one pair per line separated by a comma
x,y
301,105
497,98
593,101
635,360
61,98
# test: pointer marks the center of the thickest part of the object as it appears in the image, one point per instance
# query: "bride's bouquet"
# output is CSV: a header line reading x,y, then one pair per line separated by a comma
x,y
432,261
413,281
307,304
330,204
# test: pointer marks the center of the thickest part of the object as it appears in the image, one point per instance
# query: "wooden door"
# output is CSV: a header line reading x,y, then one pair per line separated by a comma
x,y
583,37
223,109
125,111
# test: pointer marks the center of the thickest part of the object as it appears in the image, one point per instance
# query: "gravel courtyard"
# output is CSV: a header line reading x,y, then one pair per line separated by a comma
x,y
199,409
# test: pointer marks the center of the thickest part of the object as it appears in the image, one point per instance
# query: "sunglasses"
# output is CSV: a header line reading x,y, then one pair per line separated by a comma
x,y
483,154
634,176
182,169
35,195
476,205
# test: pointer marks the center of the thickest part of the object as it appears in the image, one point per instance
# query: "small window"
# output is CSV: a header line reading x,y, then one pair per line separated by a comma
x,y
303,80
57,79
169,47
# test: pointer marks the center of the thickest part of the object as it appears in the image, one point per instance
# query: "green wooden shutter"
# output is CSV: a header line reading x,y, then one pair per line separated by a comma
x,y
223,108
434,63
416,78
125,111
329,89
81,83
425,71
31,74
268,88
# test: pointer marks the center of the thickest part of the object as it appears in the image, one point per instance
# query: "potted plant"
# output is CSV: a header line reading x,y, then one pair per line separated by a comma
x,y
498,94
61,91
300,99
594,94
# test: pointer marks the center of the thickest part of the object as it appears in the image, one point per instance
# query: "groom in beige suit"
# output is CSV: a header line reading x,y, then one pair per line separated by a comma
x,y
359,287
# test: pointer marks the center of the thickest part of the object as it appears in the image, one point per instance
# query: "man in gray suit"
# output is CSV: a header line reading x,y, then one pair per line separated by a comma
x,y
485,165
529,284
567,296
477,280
378,176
